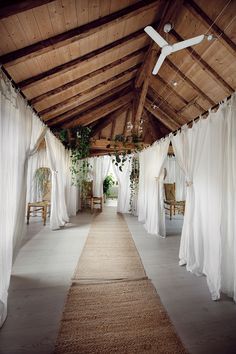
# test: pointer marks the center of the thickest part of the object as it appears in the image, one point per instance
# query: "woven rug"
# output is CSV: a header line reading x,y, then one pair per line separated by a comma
x,y
118,312
109,252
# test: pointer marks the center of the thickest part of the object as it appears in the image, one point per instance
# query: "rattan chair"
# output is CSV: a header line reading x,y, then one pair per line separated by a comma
x,y
171,205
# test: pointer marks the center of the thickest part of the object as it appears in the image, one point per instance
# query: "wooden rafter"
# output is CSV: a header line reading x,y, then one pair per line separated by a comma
x,y
88,105
138,53
13,7
161,116
77,96
190,82
104,122
189,104
99,112
77,34
87,58
204,65
175,93
206,20
168,109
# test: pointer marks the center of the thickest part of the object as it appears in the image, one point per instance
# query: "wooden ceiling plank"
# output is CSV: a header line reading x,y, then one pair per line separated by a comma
x,y
161,116
171,111
76,34
75,97
14,7
99,112
206,20
204,65
73,64
190,82
87,105
91,75
103,123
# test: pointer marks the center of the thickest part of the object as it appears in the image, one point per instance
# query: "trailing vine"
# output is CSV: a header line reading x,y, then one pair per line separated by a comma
x,y
134,182
78,140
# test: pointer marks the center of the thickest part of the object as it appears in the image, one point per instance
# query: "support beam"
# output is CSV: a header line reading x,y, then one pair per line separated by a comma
x,y
88,58
104,122
186,79
102,111
108,146
74,98
14,7
168,109
113,128
189,104
206,67
92,75
88,105
161,116
76,34
208,22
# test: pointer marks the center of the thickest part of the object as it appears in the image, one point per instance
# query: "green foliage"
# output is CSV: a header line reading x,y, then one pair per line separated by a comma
x,y
79,145
107,184
134,182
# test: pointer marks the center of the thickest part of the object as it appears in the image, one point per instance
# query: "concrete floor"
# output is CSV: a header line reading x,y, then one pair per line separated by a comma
x,y
46,262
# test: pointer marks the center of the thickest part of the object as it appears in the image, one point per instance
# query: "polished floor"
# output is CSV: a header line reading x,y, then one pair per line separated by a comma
x,y
46,262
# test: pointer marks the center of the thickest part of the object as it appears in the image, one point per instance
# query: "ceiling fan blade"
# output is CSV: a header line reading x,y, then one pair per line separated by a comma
x,y
159,63
187,43
155,36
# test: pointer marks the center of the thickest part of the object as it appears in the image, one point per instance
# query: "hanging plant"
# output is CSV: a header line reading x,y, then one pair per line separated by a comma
x,y
134,182
78,140
123,152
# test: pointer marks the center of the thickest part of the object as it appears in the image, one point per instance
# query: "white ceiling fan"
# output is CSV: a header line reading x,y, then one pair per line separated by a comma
x,y
171,48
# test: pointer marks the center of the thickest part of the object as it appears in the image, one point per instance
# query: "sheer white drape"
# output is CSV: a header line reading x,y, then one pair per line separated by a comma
x,y
207,154
123,177
57,162
101,167
19,137
228,221
175,175
150,199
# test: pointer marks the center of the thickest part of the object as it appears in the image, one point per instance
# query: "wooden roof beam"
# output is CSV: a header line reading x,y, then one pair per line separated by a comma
x,y
87,58
74,98
14,7
104,122
77,34
91,75
99,112
206,67
88,105
191,83
161,116
206,20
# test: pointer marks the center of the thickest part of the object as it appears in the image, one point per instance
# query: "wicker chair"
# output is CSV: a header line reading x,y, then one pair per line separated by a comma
x,y
87,198
170,203
42,206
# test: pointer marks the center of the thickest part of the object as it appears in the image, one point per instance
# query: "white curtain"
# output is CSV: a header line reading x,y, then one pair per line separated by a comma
x,y
123,177
228,221
206,153
19,137
175,175
57,162
150,199
101,167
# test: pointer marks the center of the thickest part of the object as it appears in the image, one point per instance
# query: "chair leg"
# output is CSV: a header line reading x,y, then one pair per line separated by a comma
x,y
44,212
28,214
170,212
92,205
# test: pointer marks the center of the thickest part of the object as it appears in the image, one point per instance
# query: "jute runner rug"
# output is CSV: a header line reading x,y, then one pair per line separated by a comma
x,y
112,307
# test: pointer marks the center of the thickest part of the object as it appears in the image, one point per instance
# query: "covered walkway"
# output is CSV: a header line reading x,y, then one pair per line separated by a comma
x,y
42,276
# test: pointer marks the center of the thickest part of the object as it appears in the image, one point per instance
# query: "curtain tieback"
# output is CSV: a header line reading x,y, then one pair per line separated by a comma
x,y
189,183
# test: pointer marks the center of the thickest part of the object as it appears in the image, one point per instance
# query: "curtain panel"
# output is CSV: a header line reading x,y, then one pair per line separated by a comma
x,y
206,153
150,196
123,177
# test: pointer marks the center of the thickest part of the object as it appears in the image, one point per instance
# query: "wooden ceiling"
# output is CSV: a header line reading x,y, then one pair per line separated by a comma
x,y
89,62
